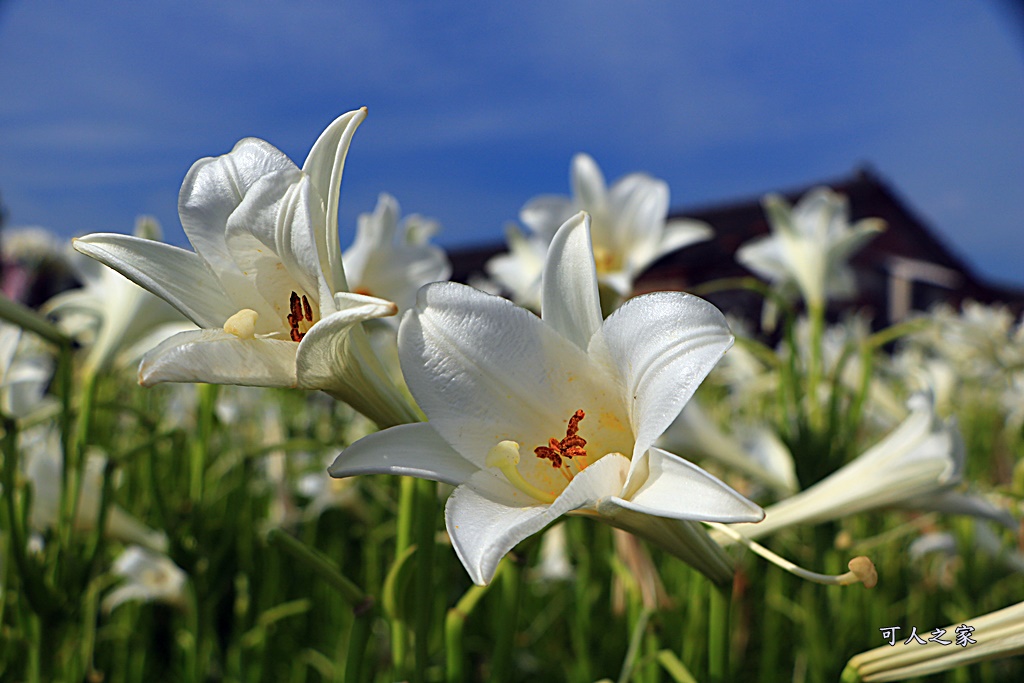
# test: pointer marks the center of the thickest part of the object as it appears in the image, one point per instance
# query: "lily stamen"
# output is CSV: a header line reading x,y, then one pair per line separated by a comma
x,y
301,312
572,446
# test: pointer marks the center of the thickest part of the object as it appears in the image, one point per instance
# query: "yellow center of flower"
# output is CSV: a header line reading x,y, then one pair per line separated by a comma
x,y
300,319
567,455
606,260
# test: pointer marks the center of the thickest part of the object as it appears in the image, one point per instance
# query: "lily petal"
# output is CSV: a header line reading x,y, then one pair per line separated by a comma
x,y
272,227
324,165
177,276
218,357
484,527
484,370
685,539
543,214
329,359
414,450
571,302
678,489
588,184
684,337
213,188
678,234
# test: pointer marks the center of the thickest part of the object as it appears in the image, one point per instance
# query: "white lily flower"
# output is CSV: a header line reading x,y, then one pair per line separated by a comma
x,y
148,576
809,246
755,451
554,564
919,460
26,367
43,468
519,271
990,636
393,264
265,282
121,318
629,226
535,418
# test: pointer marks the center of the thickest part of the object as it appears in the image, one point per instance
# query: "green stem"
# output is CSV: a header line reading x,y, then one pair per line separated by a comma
x,y
27,319
816,315
454,623
771,626
73,466
511,589
363,614
403,540
718,633
39,597
320,565
207,399
635,642
426,502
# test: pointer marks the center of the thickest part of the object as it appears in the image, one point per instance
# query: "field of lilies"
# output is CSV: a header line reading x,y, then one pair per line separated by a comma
x,y
271,459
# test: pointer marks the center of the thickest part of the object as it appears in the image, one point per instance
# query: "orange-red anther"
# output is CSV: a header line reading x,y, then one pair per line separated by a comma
x,y
300,310
569,447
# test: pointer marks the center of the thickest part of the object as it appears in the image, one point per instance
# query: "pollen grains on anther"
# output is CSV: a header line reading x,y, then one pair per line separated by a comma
x,y
301,312
572,446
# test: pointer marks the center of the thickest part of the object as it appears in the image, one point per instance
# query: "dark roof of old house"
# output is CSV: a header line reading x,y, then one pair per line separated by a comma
x,y
906,239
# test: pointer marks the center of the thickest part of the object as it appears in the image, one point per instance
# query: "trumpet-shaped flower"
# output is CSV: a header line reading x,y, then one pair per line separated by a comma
x,y
26,368
533,418
265,282
990,636
919,460
44,469
120,317
755,451
809,246
147,576
393,264
629,229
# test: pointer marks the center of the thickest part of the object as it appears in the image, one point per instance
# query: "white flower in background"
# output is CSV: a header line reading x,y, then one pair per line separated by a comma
x,y
391,263
994,635
629,228
43,468
809,246
533,418
989,542
980,342
112,314
147,577
919,460
265,282
554,564
25,371
842,343
326,493
755,451
519,271
921,372
1012,400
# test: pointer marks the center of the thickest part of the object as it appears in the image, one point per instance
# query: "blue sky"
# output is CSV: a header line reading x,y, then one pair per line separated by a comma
x,y
476,107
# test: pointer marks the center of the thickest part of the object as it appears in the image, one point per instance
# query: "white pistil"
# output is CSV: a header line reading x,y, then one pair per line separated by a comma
x,y
242,324
505,457
862,569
